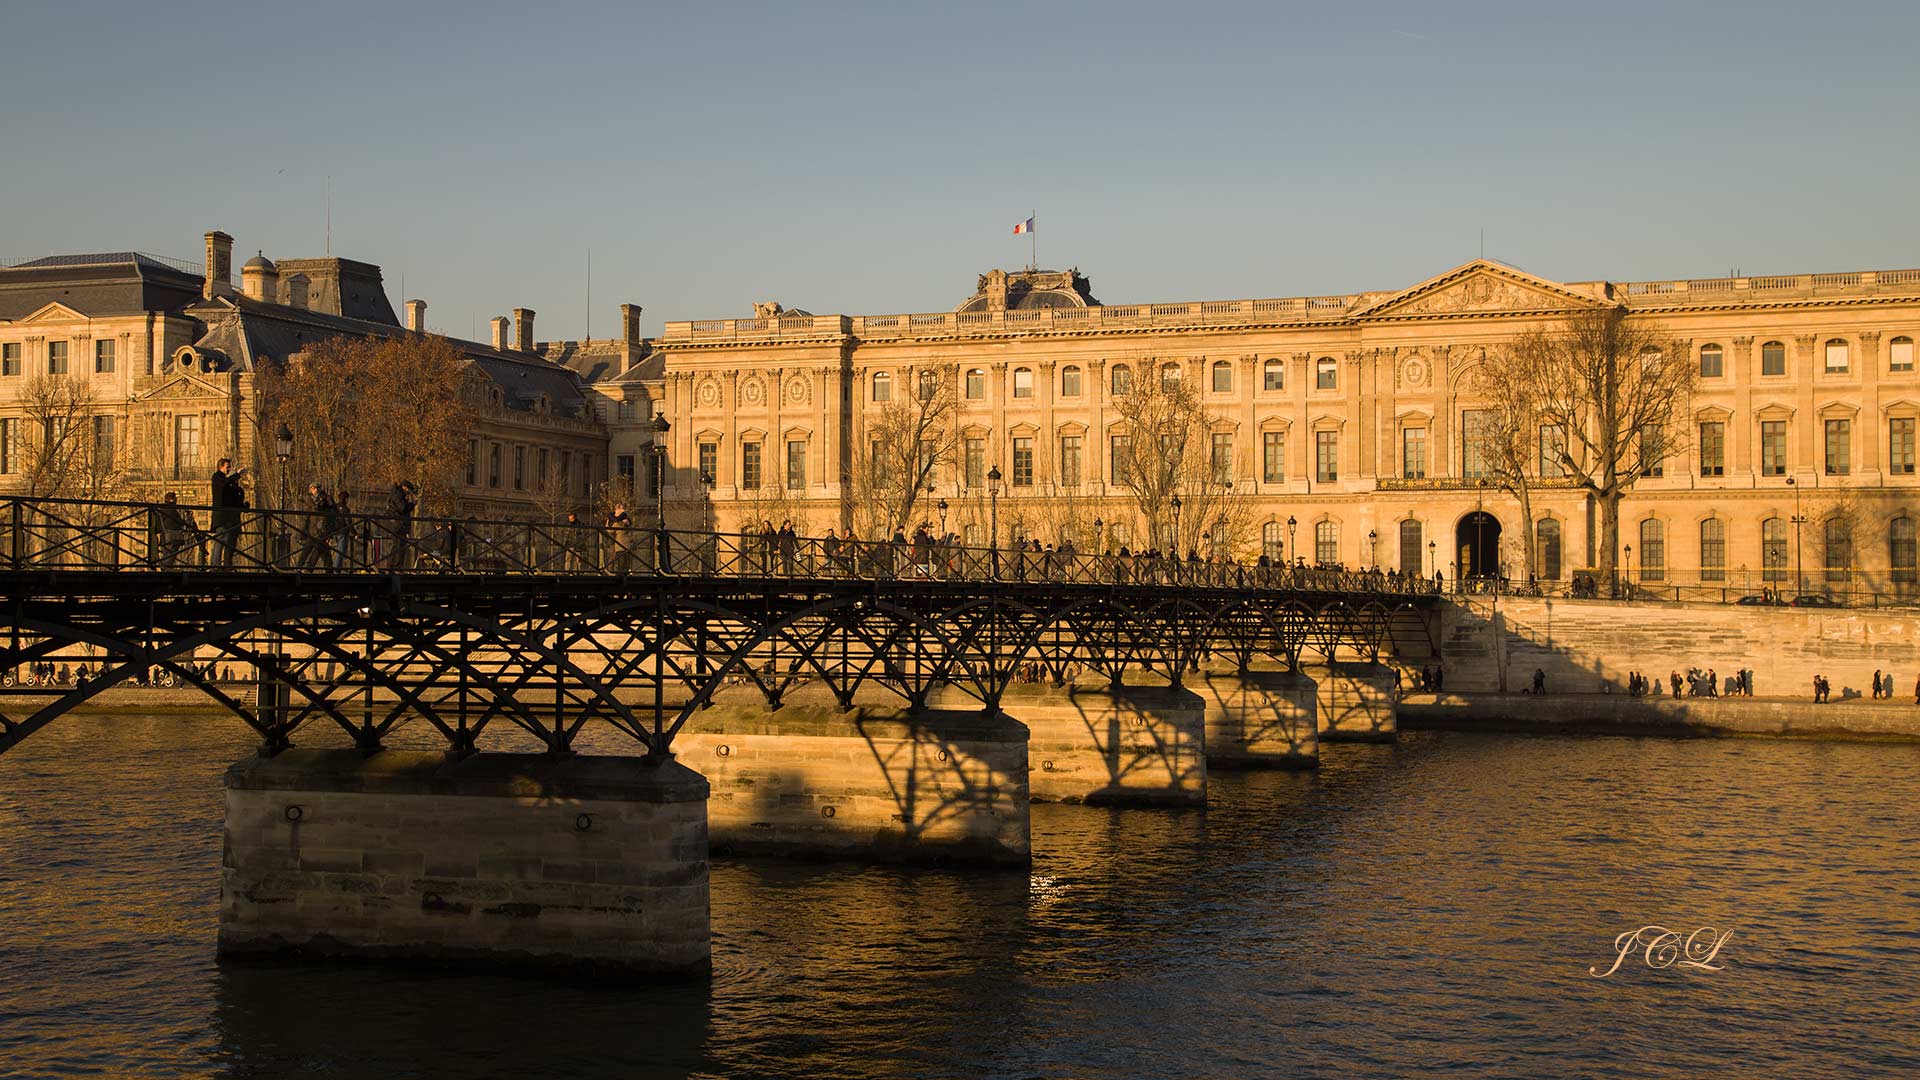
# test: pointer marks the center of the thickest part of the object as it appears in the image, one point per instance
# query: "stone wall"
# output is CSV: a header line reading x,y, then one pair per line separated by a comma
x,y
1258,719
1142,746
874,781
1585,646
502,859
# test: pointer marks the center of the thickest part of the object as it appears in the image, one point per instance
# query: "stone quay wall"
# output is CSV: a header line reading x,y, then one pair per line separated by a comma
x,y
506,860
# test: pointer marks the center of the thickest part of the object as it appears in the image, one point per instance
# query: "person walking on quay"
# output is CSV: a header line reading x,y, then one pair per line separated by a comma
x,y
1539,681
400,507
229,499
1673,677
1713,683
1819,689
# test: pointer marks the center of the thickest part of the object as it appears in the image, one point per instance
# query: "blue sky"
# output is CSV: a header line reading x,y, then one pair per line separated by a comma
x,y
874,158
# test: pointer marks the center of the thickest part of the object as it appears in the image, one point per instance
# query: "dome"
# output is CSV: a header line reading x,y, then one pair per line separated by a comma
x,y
258,264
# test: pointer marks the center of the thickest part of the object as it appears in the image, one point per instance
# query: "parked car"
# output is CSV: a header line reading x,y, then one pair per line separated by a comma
x,y
1757,600
1816,600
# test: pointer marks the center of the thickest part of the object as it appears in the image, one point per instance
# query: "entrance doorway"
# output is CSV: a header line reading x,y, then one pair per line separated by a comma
x,y
1477,539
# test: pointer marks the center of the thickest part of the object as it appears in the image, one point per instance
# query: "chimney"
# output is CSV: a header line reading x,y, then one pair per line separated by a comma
x,y
996,290
523,329
629,324
219,280
417,316
297,291
500,323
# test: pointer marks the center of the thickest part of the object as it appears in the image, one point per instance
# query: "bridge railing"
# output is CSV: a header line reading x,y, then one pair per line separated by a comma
x,y
65,534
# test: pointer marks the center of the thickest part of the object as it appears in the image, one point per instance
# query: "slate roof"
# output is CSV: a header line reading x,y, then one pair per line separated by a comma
x,y
98,284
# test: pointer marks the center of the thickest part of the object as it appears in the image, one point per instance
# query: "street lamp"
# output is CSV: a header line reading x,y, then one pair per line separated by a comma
x,y
1099,536
993,516
664,545
1629,571
1433,557
1176,527
1292,547
283,453
943,517
1373,548
1800,581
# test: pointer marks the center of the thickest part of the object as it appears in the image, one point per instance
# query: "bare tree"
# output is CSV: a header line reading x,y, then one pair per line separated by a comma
x,y
57,439
1167,453
906,445
1508,420
1617,388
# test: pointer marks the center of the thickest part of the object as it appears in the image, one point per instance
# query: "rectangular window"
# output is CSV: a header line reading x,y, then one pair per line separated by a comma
x,y
1474,428
1070,460
1839,434
1326,456
1023,461
1553,450
750,465
1222,378
1222,458
623,467
1022,382
1121,458
103,357
1713,550
519,468
473,462
1326,543
1773,358
1773,550
1836,357
566,471
10,358
1773,448
796,465
628,410
8,425
1900,354
542,461
709,454
1326,373
1070,381
56,358
1273,457
1653,449
103,444
186,446
493,465
1413,453
1900,445
1274,375
1713,448
976,462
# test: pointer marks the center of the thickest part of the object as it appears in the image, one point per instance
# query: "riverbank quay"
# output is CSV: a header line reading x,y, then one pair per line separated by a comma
x,y
1855,720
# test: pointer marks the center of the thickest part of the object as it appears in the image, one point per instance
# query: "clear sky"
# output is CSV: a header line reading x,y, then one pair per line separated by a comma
x,y
874,158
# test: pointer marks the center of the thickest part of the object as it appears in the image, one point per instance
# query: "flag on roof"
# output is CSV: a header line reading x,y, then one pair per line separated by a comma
x,y
1024,227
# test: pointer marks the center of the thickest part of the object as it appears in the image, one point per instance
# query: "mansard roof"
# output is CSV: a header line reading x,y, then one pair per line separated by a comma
x,y
98,284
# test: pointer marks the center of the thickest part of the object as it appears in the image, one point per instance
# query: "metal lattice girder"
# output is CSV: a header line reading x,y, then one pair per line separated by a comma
x,y
550,654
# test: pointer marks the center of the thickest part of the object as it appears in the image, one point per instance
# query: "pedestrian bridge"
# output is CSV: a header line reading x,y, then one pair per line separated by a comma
x,y
365,622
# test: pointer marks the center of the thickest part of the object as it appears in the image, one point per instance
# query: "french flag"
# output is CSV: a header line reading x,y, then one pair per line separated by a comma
x,y
1023,228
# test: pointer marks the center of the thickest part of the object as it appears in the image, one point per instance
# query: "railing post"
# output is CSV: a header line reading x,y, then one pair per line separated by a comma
x,y
453,556
17,535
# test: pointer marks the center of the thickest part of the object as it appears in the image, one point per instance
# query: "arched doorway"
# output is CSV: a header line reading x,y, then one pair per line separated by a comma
x,y
1477,540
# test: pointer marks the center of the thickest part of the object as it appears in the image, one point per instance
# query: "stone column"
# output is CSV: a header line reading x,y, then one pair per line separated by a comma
x,y
504,860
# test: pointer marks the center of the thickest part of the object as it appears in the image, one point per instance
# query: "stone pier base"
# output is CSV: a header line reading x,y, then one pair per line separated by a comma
x,y
1135,746
875,781
1353,701
1259,719
503,860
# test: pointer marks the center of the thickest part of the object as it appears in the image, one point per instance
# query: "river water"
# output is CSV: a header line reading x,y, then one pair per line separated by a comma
x,y
1428,908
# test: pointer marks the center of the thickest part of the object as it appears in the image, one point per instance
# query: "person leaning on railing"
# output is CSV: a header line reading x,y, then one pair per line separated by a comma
x,y
170,525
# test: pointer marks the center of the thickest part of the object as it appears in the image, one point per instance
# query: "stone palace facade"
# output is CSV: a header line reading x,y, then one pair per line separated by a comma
x,y
1345,420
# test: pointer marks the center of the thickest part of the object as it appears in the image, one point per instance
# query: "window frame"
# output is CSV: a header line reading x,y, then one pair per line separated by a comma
x,y
1326,456
1022,375
1718,357
1326,373
1273,374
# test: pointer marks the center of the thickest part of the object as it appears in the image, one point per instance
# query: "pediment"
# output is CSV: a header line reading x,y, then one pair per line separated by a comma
x,y
183,387
1480,287
54,312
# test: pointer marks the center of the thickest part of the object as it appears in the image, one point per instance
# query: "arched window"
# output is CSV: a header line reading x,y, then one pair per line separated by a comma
x,y
1326,542
1773,549
1836,356
882,386
929,385
1653,550
1548,533
1273,375
1900,549
1773,358
1022,382
1222,377
1273,541
1712,362
1326,373
1170,375
976,384
1838,535
1070,381
1713,550
1122,379
1900,354
1412,557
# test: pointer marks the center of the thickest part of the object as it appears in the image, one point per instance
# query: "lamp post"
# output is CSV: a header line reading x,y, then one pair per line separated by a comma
x,y
1176,527
1292,547
1629,577
1373,549
663,544
943,517
1099,537
1799,578
283,453
1433,557
993,517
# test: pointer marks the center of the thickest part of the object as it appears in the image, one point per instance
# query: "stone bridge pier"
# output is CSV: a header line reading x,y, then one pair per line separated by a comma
x,y
1353,700
1123,746
1260,719
502,860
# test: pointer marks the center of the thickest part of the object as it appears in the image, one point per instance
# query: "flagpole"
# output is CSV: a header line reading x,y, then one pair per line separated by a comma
x,y
1033,242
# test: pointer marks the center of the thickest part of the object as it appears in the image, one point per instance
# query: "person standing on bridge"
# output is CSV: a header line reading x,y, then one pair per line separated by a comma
x,y
229,499
400,507
316,528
